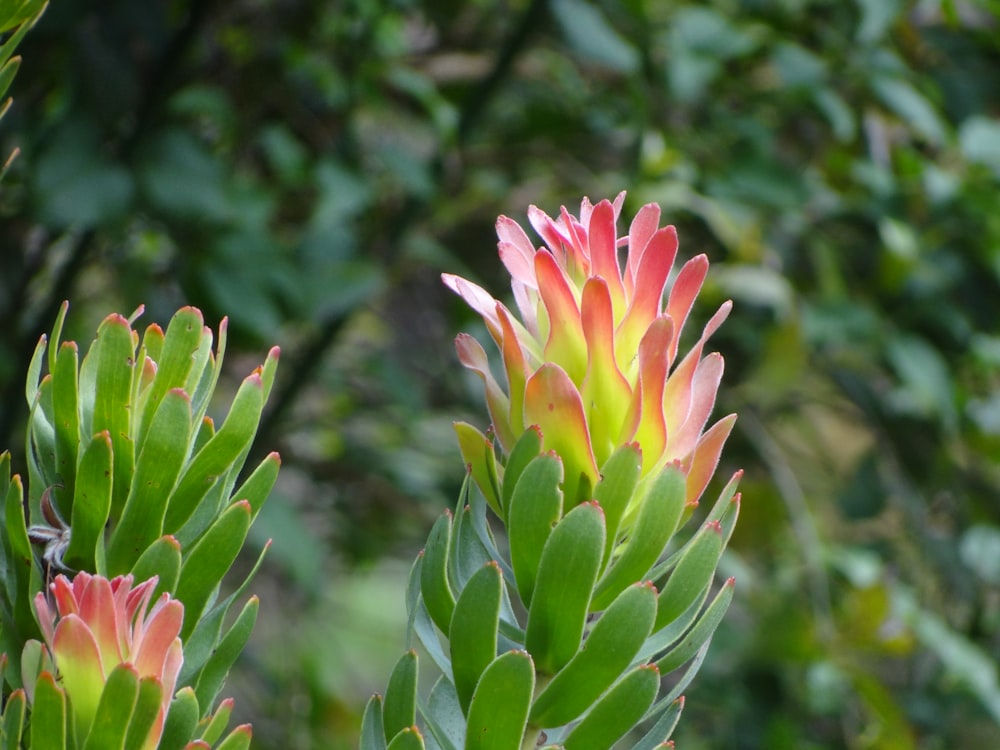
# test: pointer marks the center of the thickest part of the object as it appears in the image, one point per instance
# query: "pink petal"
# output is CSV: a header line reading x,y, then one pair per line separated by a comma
x,y
510,232
152,644
527,299
552,402
547,229
684,290
472,355
604,254
640,231
565,344
704,388
606,392
475,297
97,609
46,617
64,593
677,395
578,254
520,267
651,278
705,457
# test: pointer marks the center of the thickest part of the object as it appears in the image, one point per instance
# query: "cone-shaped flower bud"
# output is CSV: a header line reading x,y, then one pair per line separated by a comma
x,y
592,357
97,625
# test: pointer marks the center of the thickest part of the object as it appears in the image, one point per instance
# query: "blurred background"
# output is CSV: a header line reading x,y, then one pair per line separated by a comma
x,y
309,167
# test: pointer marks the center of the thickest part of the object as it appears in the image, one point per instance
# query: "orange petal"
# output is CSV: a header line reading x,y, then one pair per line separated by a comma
x,y
704,388
604,254
566,344
606,392
516,368
640,231
683,292
152,646
651,278
705,457
552,402
97,609
646,421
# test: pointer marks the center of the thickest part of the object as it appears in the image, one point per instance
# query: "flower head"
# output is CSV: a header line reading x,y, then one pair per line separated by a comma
x,y
592,358
97,625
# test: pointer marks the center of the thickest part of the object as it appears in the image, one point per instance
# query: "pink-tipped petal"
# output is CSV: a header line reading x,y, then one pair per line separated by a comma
x,y
510,232
475,297
516,368
643,226
46,617
604,254
64,593
472,355
677,394
97,609
578,255
646,419
547,229
704,388
705,457
565,344
153,643
552,402
684,290
521,267
606,393
650,281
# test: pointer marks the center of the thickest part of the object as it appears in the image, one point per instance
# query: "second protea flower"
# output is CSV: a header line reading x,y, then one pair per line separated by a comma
x,y
99,625
592,360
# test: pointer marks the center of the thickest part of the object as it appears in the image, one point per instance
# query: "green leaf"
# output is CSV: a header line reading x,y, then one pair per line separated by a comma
x,y
535,508
213,675
606,654
660,512
498,714
693,575
477,451
259,484
156,471
218,455
617,712
434,584
48,715
372,731
663,728
473,634
91,502
238,739
218,722
177,354
209,560
407,739
114,366
66,418
12,722
594,37
147,708
525,450
912,107
399,710
182,720
700,633
444,715
619,478
114,712
566,575
162,559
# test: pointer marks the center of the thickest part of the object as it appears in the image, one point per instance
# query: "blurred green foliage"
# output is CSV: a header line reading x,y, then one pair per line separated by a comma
x,y
309,167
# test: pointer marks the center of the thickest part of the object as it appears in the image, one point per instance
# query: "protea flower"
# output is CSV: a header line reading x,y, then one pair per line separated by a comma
x,y
592,358
99,624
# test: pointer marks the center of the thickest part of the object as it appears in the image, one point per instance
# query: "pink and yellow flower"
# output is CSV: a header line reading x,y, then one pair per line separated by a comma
x,y
592,359
97,625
